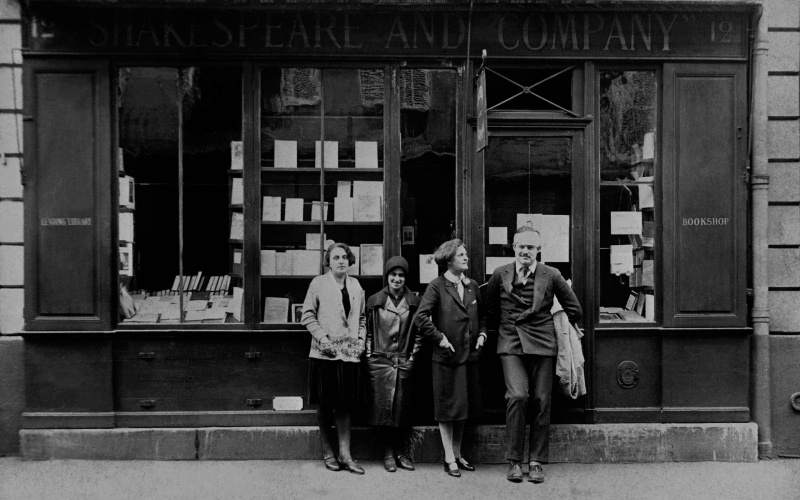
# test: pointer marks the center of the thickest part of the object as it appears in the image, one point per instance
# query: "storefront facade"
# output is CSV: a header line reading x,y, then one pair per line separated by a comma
x,y
213,150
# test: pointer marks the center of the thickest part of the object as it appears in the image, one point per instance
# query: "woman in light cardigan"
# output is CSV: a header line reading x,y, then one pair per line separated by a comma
x,y
333,313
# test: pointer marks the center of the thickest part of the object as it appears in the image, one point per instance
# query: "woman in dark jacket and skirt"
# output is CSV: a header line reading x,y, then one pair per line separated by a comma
x,y
452,316
392,341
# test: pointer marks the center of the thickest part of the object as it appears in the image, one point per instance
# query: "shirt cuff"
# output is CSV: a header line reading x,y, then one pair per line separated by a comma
x,y
482,334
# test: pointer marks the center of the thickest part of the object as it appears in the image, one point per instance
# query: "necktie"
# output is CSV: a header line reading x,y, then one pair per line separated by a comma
x,y
460,288
524,274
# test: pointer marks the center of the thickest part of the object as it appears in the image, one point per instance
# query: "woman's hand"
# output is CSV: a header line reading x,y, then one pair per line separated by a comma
x,y
325,347
445,344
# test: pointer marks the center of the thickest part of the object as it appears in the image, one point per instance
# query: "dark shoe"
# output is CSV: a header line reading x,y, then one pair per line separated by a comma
x,y
464,465
351,466
452,471
389,464
404,462
536,474
514,472
331,463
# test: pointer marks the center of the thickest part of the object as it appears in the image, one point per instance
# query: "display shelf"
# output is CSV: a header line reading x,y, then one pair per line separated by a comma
x,y
318,117
235,206
310,170
234,172
316,223
309,276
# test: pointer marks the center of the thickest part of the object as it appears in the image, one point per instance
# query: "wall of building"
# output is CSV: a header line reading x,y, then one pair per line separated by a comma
x,y
783,21
11,250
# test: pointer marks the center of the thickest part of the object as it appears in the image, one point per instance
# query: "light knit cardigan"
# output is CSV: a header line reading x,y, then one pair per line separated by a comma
x,y
323,314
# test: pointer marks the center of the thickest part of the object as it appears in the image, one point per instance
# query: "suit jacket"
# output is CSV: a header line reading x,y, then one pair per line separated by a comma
x,y
532,331
442,314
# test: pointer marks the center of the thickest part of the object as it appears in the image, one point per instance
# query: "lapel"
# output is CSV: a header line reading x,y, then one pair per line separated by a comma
x,y
400,309
451,289
540,281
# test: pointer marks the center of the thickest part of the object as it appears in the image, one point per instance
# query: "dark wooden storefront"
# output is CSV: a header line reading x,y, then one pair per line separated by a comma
x,y
689,363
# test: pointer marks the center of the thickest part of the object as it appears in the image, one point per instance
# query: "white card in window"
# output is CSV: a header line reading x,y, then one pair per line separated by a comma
x,y
366,154
626,223
647,273
237,155
271,208
237,191
428,269
649,307
317,208
649,146
493,263
294,209
285,154
343,209
276,309
268,262
344,189
236,304
367,188
283,263
646,193
367,208
355,269
529,220
621,259
305,263
372,260
331,155
237,226
126,226
554,230
314,241
498,235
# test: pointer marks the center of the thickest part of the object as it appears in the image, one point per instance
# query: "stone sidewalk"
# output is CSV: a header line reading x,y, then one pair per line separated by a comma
x,y
284,480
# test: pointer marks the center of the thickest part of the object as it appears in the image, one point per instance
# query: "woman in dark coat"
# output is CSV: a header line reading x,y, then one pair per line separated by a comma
x,y
452,316
392,341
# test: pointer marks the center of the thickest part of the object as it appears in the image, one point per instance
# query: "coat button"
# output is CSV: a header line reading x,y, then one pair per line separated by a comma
x,y
394,338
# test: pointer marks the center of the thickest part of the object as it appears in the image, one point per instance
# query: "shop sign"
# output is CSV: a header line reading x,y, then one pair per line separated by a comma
x,y
521,33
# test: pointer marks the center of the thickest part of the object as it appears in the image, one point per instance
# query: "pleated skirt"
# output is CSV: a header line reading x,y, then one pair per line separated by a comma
x,y
456,391
335,381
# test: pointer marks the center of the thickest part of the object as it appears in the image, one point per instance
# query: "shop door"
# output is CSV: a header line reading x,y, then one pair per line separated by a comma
x,y
529,177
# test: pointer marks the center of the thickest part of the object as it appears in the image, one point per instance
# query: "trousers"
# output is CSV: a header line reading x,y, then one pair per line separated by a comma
x,y
529,384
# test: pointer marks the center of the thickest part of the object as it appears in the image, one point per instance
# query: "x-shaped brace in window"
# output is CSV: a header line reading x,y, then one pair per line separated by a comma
x,y
528,90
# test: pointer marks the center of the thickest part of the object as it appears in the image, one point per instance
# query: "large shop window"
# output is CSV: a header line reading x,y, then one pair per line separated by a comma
x,y
180,195
628,169
529,183
322,180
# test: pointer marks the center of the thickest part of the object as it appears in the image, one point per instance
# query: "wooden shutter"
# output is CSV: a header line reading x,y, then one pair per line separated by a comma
x,y
704,202
68,236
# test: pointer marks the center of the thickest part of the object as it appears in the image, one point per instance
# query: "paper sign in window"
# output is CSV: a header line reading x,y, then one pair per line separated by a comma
x,y
498,235
428,269
493,263
646,193
286,154
366,154
331,155
621,259
626,222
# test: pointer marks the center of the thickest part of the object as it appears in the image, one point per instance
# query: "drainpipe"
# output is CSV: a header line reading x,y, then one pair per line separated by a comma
x,y
759,186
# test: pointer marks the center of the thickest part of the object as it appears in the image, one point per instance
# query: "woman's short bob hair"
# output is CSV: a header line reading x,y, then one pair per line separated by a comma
x,y
447,251
351,258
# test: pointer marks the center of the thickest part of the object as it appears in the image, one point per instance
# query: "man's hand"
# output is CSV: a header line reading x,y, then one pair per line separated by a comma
x,y
446,344
481,340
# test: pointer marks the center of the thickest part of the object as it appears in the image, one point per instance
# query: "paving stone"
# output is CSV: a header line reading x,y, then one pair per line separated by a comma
x,y
11,222
12,393
782,13
783,96
784,51
12,301
784,313
10,39
784,225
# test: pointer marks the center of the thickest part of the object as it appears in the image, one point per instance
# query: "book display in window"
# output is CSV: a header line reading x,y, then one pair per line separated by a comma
x,y
628,168
322,182
181,194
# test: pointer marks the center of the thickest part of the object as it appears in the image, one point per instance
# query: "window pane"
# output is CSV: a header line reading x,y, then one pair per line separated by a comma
x,y
427,164
504,89
628,164
529,182
148,227
627,124
213,194
292,188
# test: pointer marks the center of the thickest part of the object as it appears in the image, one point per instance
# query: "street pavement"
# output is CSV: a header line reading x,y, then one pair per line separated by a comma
x,y
283,480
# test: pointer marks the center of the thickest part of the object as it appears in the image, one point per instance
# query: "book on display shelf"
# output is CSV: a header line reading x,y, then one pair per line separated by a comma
x,y
285,154
237,155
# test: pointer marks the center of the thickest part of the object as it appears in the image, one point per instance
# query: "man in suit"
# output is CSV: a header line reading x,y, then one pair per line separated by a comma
x,y
519,297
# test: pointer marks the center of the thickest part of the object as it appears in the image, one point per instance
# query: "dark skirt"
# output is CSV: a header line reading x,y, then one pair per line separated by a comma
x,y
335,381
456,391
